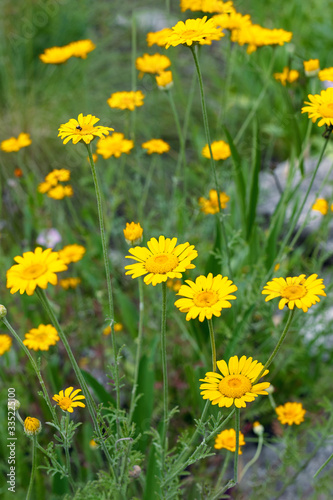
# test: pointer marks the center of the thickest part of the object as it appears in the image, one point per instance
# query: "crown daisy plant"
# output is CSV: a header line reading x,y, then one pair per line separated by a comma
x,y
205,298
69,399
321,106
290,413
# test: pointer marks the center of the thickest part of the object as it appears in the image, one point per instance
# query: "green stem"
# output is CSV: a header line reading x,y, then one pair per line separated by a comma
x,y
255,458
212,342
68,460
35,367
212,161
89,400
278,345
165,373
138,352
237,429
133,76
33,468
323,466
144,193
181,156
223,470
107,273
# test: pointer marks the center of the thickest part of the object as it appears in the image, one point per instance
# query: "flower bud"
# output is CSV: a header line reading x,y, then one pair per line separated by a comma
x,y
3,311
32,426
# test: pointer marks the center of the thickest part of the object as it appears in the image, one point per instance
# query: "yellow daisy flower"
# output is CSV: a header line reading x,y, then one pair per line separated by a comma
x,y
114,145
59,192
67,283
234,21
174,284
81,48
297,291
311,67
5,343
41,338
58,175
158,37
321,106
44,187
72,253
161,260
36,268
210,205
118,327
153,64
227,440
287,76
257,36
133,233
32,426
220,150
126,100
82,130
326,74
56,55
156,146
206,297
194,30
320,205
235,385
290,413
68,400
15,144
164,80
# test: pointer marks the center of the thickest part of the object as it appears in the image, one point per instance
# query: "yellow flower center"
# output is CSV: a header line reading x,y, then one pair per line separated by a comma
x,y
294,292
65,403
85,129
326,110
189,33
206,298
34,271
235,386
161,263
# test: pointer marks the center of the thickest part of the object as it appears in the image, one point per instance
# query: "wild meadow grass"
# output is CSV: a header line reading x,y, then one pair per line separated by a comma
x,y
164,334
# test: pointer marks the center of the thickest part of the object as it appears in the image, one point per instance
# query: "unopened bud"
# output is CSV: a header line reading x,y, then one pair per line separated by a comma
x,y
3,311
135,472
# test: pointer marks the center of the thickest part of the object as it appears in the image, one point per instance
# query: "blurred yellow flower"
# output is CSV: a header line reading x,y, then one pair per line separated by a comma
x,y
320,205
290,413
41,338
326,74
68,400
56,55
44,187
164,80
311,67
227,440
59,192
256,36
194,30
158,37
287,76
82,130
81,48
321,106
71,253
210,205
174,284
207,6
156,146
153,64
114,145
5,343
220,150
234,21
58,175
15,144
118,327
67,283
133,233
126,100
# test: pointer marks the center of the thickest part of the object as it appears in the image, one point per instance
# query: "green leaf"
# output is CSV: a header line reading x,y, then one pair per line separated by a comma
x,y
254,185
102,395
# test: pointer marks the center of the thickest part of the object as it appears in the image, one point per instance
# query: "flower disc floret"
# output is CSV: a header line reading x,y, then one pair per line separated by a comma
x,y
297,291
82,130
206,297
290,413
194,30
320,106
161,260
236,386
72,253
68,399
34,269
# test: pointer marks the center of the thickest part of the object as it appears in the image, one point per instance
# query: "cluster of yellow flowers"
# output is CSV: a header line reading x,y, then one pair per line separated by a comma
x,y
59,55
51,185
14,144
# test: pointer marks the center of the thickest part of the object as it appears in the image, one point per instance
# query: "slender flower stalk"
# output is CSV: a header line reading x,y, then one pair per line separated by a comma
x,y
223,470
33,467
212,342
255,457
180,168
237,428
107,272
165,372
66,445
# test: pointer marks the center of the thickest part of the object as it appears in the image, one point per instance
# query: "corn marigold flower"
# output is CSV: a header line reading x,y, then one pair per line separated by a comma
x,y
156,146
234,21
297,291
56,55
311,67
15,144
258,428
44,187
321,106
161,260
5,343
206,297
326,74
174,284
227,440
194,30
236,384
114,145
133,233
67,283
34,269
68,399
82,130
164,80
256,36
158,37
207,6
126,100
118,327
287,76
81,48
153,64
71,253
210,205
320,205
41,338
59,192
290,413
58,175
32,426
220,150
